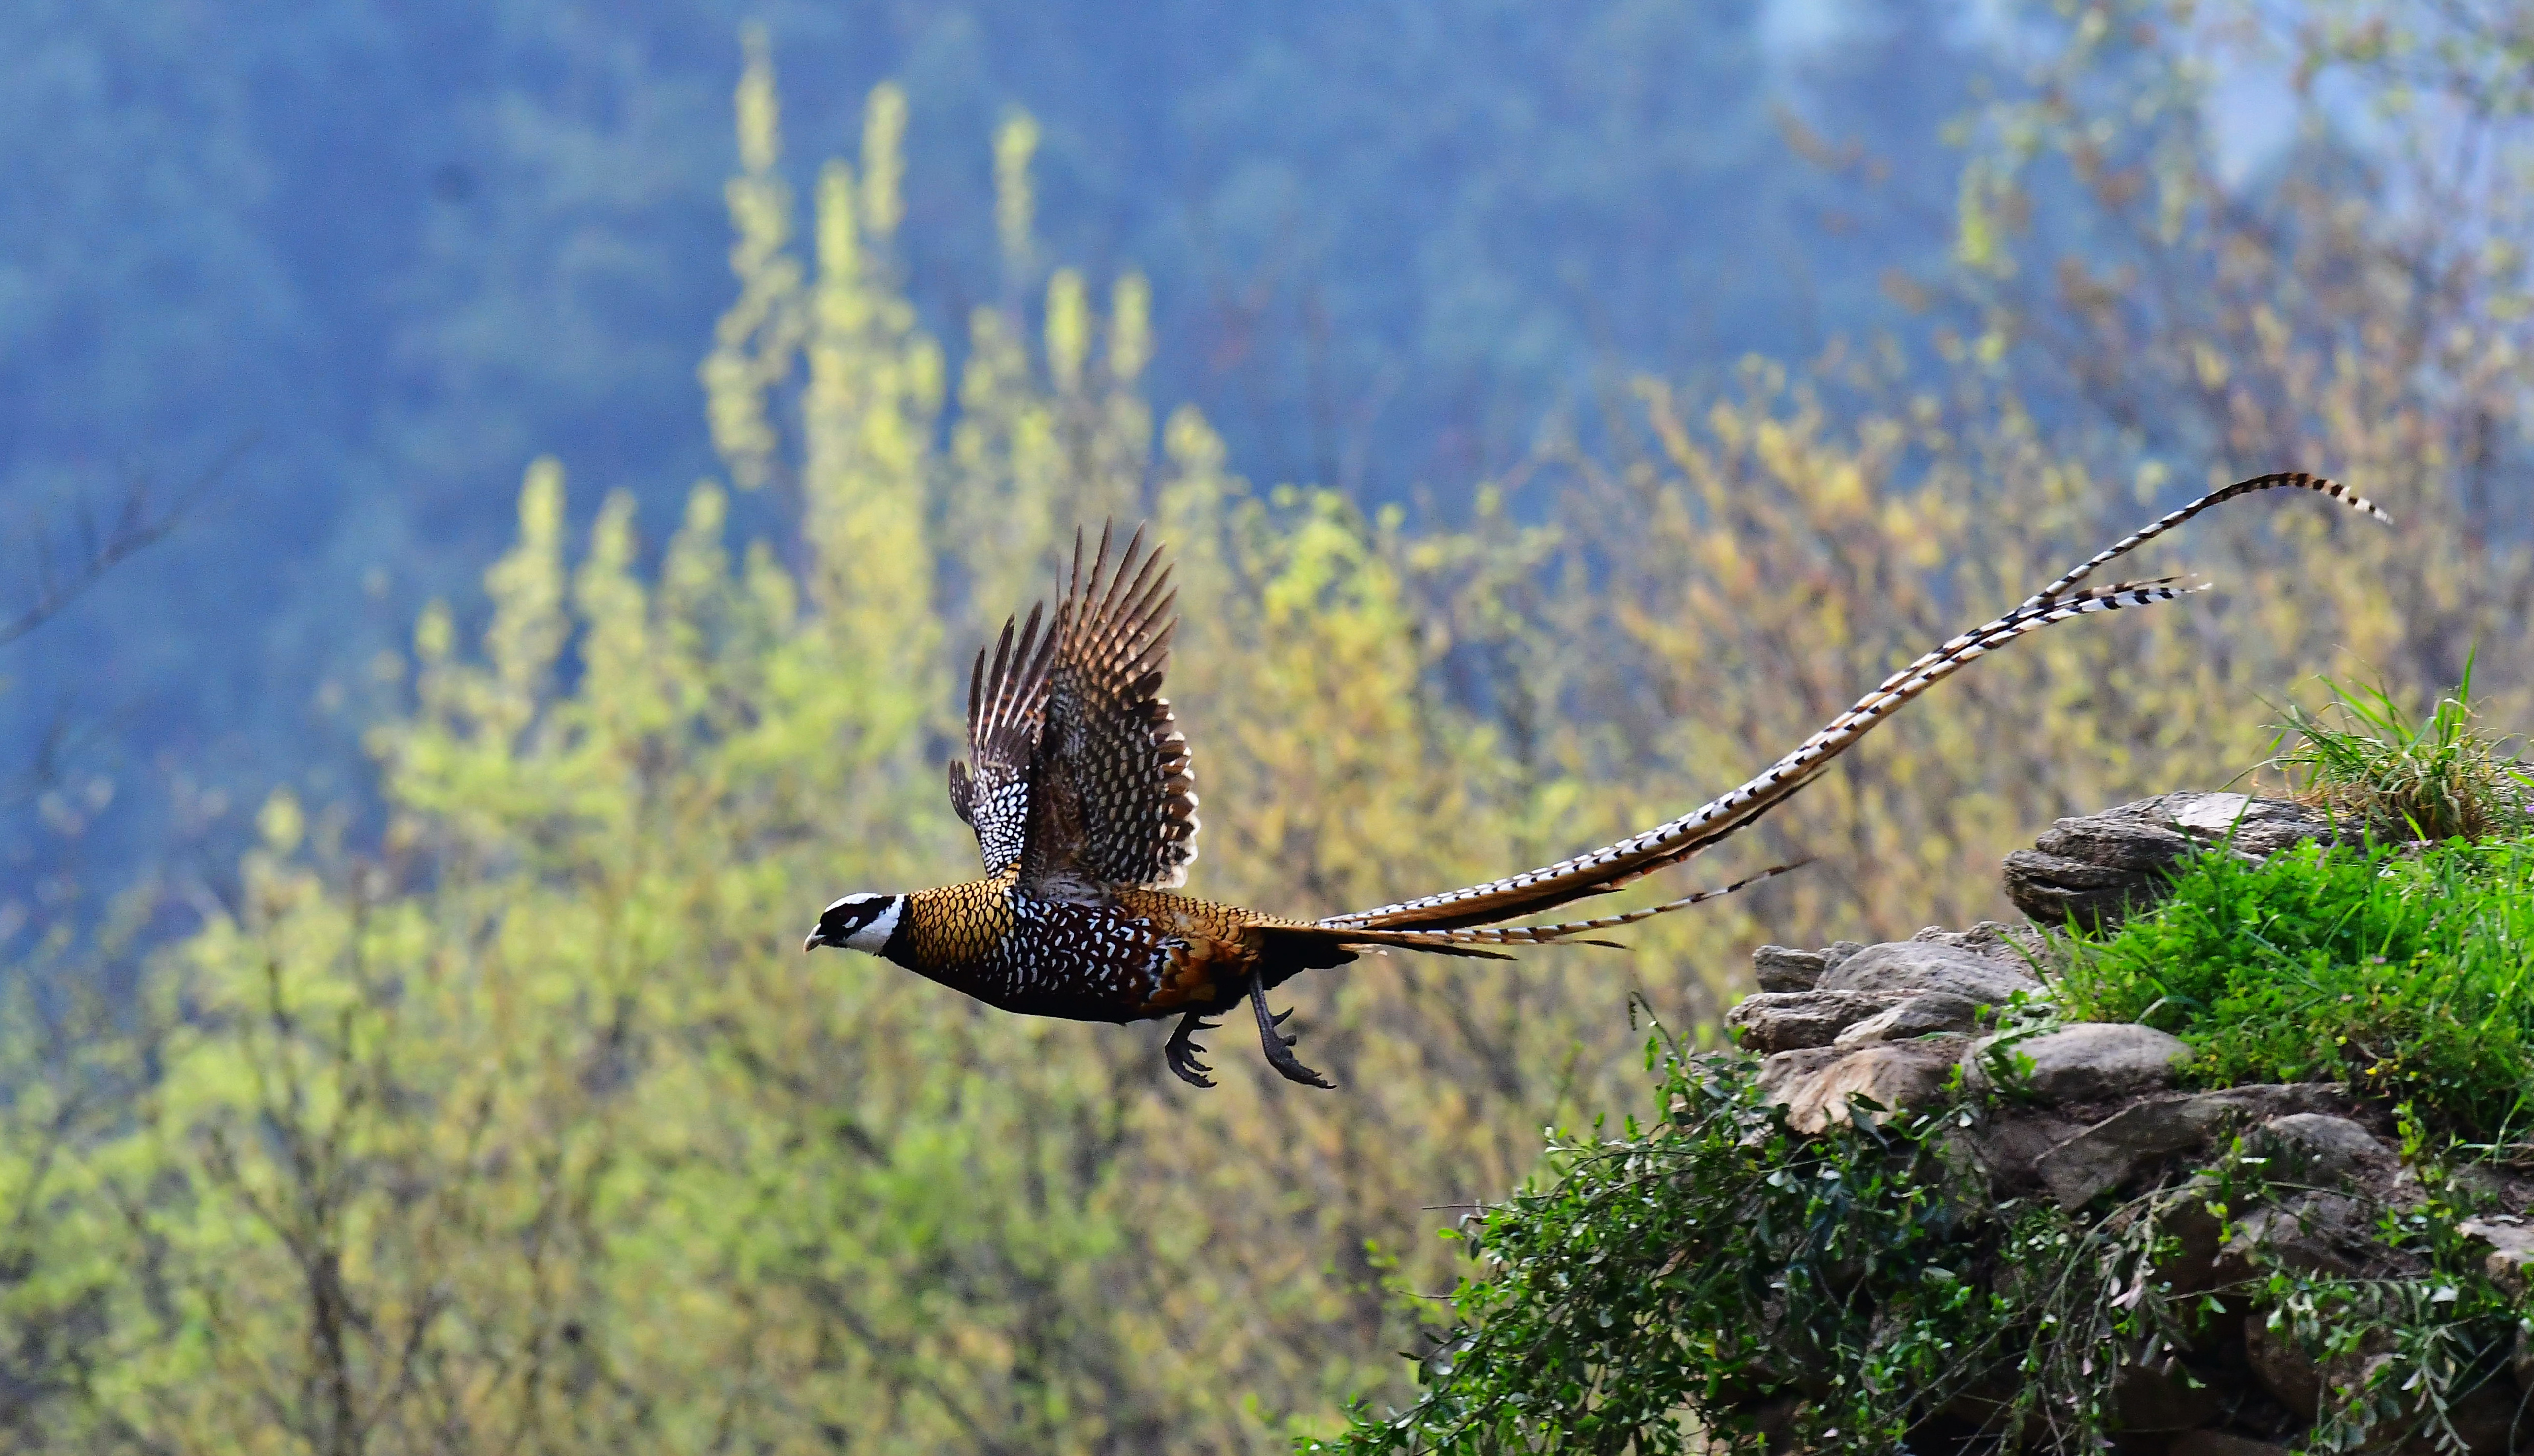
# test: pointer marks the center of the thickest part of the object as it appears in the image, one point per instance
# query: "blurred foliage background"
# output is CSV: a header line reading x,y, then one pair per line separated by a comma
x,y
484,1102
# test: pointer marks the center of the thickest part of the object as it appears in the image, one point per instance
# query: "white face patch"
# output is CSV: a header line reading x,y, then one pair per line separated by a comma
x,y
873,936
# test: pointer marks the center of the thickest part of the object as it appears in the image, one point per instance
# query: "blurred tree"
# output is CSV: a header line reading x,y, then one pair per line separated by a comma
x,y
520,1124
412,248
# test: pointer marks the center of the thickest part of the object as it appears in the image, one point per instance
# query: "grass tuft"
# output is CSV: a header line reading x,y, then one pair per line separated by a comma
x,y
2365,759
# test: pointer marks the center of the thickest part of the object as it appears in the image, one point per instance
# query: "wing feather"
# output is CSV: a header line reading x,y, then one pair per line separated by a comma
x,y
1113,799
1007,716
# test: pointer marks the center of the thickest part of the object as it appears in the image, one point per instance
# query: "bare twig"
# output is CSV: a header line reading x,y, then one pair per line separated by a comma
x,y
138,523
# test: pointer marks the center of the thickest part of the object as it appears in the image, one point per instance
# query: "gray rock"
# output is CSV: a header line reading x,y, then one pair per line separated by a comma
x,y
2512,1251
1990,940
2315,1147
1950,981
2102,867
1782,970
1781,1072
2105,1154
2313,1232
1789,1020
2085,1062
1919,1015
2008,1143
1815,1085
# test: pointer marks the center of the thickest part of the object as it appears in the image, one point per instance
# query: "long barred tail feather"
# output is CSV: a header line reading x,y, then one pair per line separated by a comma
x,y
1611,866
1615,865
1567,932
1811,759
2284,480
2292,480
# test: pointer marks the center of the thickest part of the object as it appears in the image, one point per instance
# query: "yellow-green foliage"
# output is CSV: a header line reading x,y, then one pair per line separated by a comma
x,y
534,1130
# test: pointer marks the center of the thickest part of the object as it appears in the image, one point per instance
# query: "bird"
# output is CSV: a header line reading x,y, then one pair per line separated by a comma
x,y
1083,800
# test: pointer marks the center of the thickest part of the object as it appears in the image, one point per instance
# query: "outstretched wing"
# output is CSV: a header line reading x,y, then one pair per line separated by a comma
x,y
1006,713
1113,799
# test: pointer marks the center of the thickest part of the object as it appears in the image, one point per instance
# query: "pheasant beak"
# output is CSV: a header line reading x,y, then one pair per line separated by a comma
x,y
815,941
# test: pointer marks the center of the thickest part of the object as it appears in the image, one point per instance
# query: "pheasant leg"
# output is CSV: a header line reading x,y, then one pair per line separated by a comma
x,y
1277,1046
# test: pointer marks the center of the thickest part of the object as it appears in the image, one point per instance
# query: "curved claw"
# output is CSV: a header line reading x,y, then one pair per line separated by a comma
x,y
1181,1052
1279,1049
1188,1069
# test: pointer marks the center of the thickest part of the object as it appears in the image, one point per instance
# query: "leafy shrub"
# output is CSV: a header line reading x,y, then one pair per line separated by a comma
x,y
1718,1283
2405,974
1693,1275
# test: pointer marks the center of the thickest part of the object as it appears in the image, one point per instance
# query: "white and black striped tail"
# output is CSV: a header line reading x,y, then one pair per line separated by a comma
x,y
2296,479
2288,479
1614,865
1567,931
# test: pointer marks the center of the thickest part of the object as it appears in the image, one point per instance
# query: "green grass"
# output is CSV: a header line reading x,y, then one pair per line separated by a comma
x,y
2409,974
2437,779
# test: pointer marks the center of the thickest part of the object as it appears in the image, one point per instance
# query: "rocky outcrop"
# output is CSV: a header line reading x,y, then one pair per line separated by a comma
x,y
2511,1250
2084,1062
1830,1018
2100,867
2095,1118
1779,968
1888,1024
1793,1020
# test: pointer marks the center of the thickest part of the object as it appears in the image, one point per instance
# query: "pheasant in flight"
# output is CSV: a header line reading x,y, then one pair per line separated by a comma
x,y
1083,800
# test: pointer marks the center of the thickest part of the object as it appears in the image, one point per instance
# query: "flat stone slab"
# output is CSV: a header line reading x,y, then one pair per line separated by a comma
x,y
1815,1085
2086,1062
1784,968
1790,1021
1953,981
2013,946
1920,1016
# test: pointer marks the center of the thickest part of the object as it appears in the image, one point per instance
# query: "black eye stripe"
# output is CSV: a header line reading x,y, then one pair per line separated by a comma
x,y
857,907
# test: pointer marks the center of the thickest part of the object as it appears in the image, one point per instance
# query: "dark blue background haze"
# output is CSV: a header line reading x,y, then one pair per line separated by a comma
x,y
405,248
